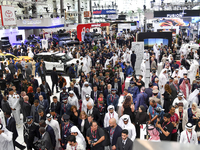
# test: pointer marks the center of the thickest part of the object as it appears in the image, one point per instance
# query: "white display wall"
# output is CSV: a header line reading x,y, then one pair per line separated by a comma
x,y
12,33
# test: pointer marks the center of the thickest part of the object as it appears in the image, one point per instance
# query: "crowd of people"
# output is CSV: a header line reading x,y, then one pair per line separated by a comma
x,y
94,110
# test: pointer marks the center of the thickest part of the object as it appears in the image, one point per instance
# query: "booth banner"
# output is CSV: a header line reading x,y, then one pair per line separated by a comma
x,y
40,23
138,47
104,12
7,15
84,28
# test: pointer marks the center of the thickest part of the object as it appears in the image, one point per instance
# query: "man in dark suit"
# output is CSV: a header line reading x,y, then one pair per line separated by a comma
x,y
74,89
44,103
54,79
39,93
149,90
107,91
94,111
175,88
34,110
46,89
34,83
45,139
123,142
12,68
56,105
50,131
11,126
8,77
95,95
42,71
114,132
5,105
184,62
26,108
133,59
117,85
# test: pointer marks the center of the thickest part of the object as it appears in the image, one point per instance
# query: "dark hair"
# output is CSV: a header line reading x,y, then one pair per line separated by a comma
x,y
126,90
127,102
42,123
8,113
40,110
150,84
71,138
125,131
167,115
42,129
55,97
94,122
54,68
91,116
170,107
36,101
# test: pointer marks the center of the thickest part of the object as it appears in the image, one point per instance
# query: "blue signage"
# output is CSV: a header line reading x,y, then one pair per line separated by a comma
x,y
104,12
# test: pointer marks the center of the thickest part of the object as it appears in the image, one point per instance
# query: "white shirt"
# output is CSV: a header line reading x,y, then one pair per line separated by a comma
x,y
186,137
6,140
108,116
187,91
185,103
78,147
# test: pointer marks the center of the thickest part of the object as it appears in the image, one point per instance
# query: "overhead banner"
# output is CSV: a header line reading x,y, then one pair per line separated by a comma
x,y
7,15
176,13
104,12
84,28
40,23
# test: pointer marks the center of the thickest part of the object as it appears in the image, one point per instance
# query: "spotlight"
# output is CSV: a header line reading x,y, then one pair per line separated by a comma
x,y
41,16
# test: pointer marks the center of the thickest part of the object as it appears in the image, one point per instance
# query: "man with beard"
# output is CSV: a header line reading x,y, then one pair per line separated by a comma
x,y
73,144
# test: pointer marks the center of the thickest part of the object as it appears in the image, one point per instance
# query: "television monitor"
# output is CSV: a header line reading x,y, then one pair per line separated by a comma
x,y
5,38
149,43
18,37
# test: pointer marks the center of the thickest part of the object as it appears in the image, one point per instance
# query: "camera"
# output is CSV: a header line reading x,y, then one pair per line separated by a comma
x,y
159,109
91,143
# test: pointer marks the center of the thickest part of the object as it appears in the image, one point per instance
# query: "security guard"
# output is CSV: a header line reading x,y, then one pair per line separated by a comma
x,y
63,94
65,107
65,130
133,90
31,132
112,99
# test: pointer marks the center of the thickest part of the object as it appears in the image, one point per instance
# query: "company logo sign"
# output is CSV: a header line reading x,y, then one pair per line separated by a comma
x,y
104,12
31,22
175,15
8,13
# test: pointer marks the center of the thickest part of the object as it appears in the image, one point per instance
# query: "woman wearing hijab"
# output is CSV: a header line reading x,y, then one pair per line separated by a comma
x,y
193,114
154,134
167,98
30,94
128,107
141,118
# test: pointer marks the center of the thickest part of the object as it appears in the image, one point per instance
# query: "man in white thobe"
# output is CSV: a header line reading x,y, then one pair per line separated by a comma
x,y
125,123
163,78
56,128
79,136
146,58
87,100
13,100
114,59
73,100
189,135
155,50
110,114
6,136
180,99
192,72
193,97
143,70
86,89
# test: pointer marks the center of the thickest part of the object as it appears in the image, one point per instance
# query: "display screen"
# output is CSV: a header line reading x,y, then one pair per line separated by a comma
x,y
173,22
18,37
168,30
5,38
149,43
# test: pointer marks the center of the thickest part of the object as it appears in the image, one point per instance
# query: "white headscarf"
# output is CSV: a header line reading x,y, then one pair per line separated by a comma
x,y
121,121
80,135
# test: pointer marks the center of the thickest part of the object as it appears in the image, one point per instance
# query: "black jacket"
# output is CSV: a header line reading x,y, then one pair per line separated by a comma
x,y
116,135
5,106
128,145
54,77
26,108
57,108
92,96
11,126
